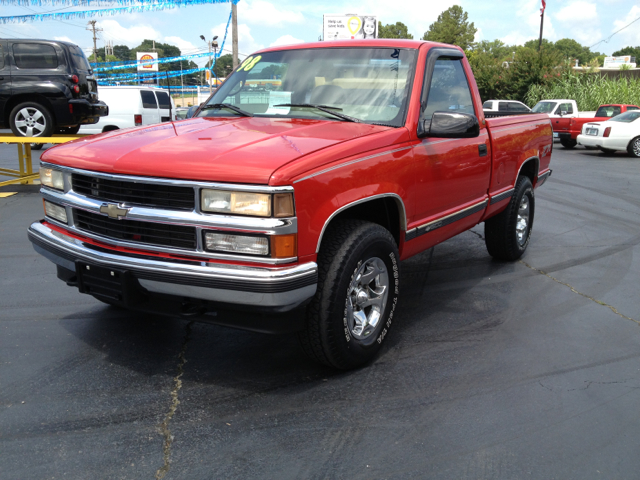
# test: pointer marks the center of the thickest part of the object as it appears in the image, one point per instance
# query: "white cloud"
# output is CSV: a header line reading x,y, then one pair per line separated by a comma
x,y
478,36
528,19
631,34
131,36
264,13
580,21
246,43
286,40
185,46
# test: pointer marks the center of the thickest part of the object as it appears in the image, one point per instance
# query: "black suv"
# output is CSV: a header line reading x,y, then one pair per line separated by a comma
x,y
46,87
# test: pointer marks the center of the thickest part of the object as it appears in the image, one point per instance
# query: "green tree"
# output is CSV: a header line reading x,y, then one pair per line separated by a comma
x,y
571,50
546,44
223,65
633,51
452,27
495,49
394,30
122,52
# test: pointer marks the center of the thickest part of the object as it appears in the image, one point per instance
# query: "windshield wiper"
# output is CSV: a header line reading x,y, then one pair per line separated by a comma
x,y
229,106
324,108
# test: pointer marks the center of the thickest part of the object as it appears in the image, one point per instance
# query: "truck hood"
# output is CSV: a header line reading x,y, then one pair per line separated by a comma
x,y
238,149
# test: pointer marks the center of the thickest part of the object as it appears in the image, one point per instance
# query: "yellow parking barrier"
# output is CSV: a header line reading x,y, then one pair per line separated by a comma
x,y
25,163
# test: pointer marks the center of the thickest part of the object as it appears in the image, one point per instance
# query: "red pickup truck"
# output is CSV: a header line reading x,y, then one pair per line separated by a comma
x,y
568,129
299,187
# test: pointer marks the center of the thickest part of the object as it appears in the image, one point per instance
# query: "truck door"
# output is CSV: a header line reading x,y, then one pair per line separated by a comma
x,y
452,174
5,77
150,112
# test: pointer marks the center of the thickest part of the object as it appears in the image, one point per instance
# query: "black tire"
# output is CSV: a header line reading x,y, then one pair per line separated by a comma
x,y
37,146
68,130
608,151
349,247
31,117
501,231
568,143
634,147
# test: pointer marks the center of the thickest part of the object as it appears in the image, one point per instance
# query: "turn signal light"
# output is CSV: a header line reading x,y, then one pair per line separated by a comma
x,y
607,131
76,88
137,119
74,78
284,246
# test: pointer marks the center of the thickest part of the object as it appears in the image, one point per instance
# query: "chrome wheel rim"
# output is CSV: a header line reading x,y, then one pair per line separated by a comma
x,y
367,297
522,222
636,147
30,122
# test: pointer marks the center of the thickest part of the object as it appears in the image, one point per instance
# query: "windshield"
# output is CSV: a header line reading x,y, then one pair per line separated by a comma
x,y
544,107
79,59
370,85
626,117
608,111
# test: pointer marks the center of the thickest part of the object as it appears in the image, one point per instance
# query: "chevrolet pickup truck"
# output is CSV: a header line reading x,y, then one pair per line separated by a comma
x,y
302,196
567,129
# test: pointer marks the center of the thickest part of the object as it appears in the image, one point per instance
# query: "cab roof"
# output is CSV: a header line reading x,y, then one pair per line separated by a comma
x,y
374,43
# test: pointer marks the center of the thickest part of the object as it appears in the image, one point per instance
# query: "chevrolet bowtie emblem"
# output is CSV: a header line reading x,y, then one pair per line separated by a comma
x,y
113,210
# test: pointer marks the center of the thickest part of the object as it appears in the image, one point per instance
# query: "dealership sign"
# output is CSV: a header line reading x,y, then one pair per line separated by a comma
x,y
616,62
147,57
349,27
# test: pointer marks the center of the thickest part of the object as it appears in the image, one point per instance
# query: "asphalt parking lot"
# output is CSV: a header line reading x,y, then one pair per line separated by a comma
x,y
495,370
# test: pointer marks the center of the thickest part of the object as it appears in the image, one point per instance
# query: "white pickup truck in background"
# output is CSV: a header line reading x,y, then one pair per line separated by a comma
x,y
561,108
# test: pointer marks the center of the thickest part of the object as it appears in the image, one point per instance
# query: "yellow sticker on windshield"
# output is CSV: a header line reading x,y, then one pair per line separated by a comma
x,y
246,62
251,63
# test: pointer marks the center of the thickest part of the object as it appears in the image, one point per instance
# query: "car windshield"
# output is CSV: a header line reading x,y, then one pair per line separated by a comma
x,y
626,117
369,85
544,107
608,111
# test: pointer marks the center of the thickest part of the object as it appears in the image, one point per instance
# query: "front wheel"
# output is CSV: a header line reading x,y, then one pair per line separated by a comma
x,y
357,295
507,234
634,147
568,143
30,119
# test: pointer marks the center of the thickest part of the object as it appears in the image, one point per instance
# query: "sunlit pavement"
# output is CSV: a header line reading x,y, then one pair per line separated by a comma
x,y
493,370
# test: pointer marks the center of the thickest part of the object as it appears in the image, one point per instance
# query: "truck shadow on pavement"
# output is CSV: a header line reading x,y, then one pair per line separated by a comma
x,y
441,303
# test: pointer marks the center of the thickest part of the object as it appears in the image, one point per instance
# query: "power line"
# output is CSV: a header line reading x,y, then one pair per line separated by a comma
x,y
606,40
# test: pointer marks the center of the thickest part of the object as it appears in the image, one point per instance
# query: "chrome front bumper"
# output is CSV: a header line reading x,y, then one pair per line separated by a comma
x,y
276,289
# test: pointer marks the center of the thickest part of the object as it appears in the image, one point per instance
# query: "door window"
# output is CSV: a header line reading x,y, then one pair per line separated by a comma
x,y
35,55
517,107
163,99
449,89
565,107
503,106
148,99
1,57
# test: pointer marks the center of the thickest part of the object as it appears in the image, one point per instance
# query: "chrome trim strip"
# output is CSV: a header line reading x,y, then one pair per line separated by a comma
x,y
145,247
168,181
403,216
501,196
351,162
543,178
79,249
444,221
265,226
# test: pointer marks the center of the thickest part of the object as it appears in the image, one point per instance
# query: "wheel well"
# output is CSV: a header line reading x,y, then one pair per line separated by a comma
x,y
387,212
110,128
28,97
530,169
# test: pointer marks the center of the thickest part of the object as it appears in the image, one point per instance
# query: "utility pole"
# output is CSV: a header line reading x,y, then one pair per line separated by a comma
x,y
95,38
234,32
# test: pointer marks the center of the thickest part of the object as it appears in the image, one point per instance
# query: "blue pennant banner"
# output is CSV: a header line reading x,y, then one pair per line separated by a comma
x,y
136,8
85,3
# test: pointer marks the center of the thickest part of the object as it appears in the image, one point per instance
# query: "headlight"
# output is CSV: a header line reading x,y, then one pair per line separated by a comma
x,y
246,203
52,178
242,244
55,211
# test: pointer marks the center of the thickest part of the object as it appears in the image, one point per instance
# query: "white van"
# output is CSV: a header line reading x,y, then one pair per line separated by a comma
x,y
130,106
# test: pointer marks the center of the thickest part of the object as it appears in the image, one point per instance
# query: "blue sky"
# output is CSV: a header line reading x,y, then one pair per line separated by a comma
x,y
266,22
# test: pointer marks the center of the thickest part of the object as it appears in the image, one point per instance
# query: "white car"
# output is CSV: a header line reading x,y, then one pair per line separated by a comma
x,y
131,106
619,133
505,106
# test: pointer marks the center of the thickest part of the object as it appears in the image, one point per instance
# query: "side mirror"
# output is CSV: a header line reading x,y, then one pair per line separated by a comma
x,y
450,125
563,113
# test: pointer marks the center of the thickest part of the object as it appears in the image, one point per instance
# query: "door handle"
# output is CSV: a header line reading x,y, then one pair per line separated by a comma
x,y
482,150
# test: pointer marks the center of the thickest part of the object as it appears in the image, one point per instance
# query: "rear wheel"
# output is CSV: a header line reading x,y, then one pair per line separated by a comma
x,y
507,234
30,119
634,147
568,143
358,286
